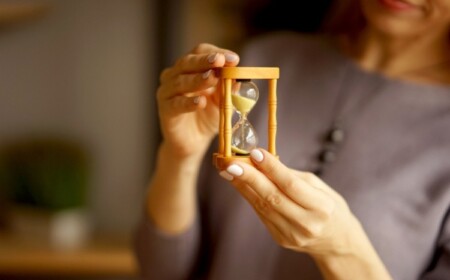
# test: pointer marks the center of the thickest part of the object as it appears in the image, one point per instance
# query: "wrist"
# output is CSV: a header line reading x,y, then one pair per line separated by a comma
x,y
176,159
358,260
175,172
171,199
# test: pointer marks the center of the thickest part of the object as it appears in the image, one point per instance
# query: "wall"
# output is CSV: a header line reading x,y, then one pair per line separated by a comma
x,y
84,72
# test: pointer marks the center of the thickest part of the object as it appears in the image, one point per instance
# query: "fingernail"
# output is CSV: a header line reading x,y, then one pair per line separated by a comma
x,y
257,155
206,74
235,170
197,100
226,175
231,57
210,90
212,58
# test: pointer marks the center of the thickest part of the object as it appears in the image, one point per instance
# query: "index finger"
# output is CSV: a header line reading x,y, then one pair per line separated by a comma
x,y
202,58
295,187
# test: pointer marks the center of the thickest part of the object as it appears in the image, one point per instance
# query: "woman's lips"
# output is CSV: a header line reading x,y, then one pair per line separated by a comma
x,y
397,5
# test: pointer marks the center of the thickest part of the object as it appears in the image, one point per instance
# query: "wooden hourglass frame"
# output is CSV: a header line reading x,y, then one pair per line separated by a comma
x,y
228,75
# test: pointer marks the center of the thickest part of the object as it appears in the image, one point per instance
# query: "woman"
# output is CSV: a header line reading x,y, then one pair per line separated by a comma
x,y
362,187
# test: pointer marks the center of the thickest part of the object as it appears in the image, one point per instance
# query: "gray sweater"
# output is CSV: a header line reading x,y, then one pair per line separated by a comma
x,y
393,169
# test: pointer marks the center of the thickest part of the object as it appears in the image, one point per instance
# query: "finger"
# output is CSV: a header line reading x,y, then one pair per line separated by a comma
x,y
193,63
207,48
190,102
283,214
183,104
270,199
231,58
274,221
315,181
295,187
187,84
280,230
277,233
200,62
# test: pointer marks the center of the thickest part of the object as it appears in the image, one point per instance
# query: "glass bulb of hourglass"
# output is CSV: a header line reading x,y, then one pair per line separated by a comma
x,y
244,97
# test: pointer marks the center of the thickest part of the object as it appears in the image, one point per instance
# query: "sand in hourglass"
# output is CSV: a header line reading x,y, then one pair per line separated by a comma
x,y
244,106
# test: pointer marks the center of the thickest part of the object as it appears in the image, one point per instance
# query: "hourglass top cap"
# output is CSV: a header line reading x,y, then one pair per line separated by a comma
x,y
249,72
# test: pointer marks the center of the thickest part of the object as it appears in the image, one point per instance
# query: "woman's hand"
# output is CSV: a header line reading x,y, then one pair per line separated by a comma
x,y
188,99
304,214
301,212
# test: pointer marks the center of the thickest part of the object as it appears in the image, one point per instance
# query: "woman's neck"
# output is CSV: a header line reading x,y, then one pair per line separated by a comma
x,y
423,58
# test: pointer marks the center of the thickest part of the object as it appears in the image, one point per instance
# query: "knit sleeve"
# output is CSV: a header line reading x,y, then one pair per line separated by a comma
x,y
163,256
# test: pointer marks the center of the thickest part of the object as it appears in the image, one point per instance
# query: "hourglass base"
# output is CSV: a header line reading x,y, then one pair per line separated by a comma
x,y
221,162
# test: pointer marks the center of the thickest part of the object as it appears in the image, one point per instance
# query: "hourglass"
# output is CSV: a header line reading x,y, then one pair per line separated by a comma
x,y
241,94
244,96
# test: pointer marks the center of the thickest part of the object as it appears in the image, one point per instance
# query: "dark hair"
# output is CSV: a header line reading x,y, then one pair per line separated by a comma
x,y
260,16
344,17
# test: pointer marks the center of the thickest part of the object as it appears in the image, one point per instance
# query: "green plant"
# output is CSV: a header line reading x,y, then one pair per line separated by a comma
x,y
47,173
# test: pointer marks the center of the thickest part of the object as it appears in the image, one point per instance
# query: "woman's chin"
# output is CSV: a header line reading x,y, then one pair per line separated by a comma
x,y
393,28
392,23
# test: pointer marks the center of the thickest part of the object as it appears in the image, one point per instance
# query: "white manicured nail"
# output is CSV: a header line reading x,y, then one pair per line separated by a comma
x,y
257,155
210,90
231,57
206,74
235,170
212,58
226,175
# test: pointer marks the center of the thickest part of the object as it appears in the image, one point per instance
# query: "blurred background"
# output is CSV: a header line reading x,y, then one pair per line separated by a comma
x,y
78,120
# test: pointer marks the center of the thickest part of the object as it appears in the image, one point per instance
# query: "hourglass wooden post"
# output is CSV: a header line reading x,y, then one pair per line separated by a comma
x,y
229,75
